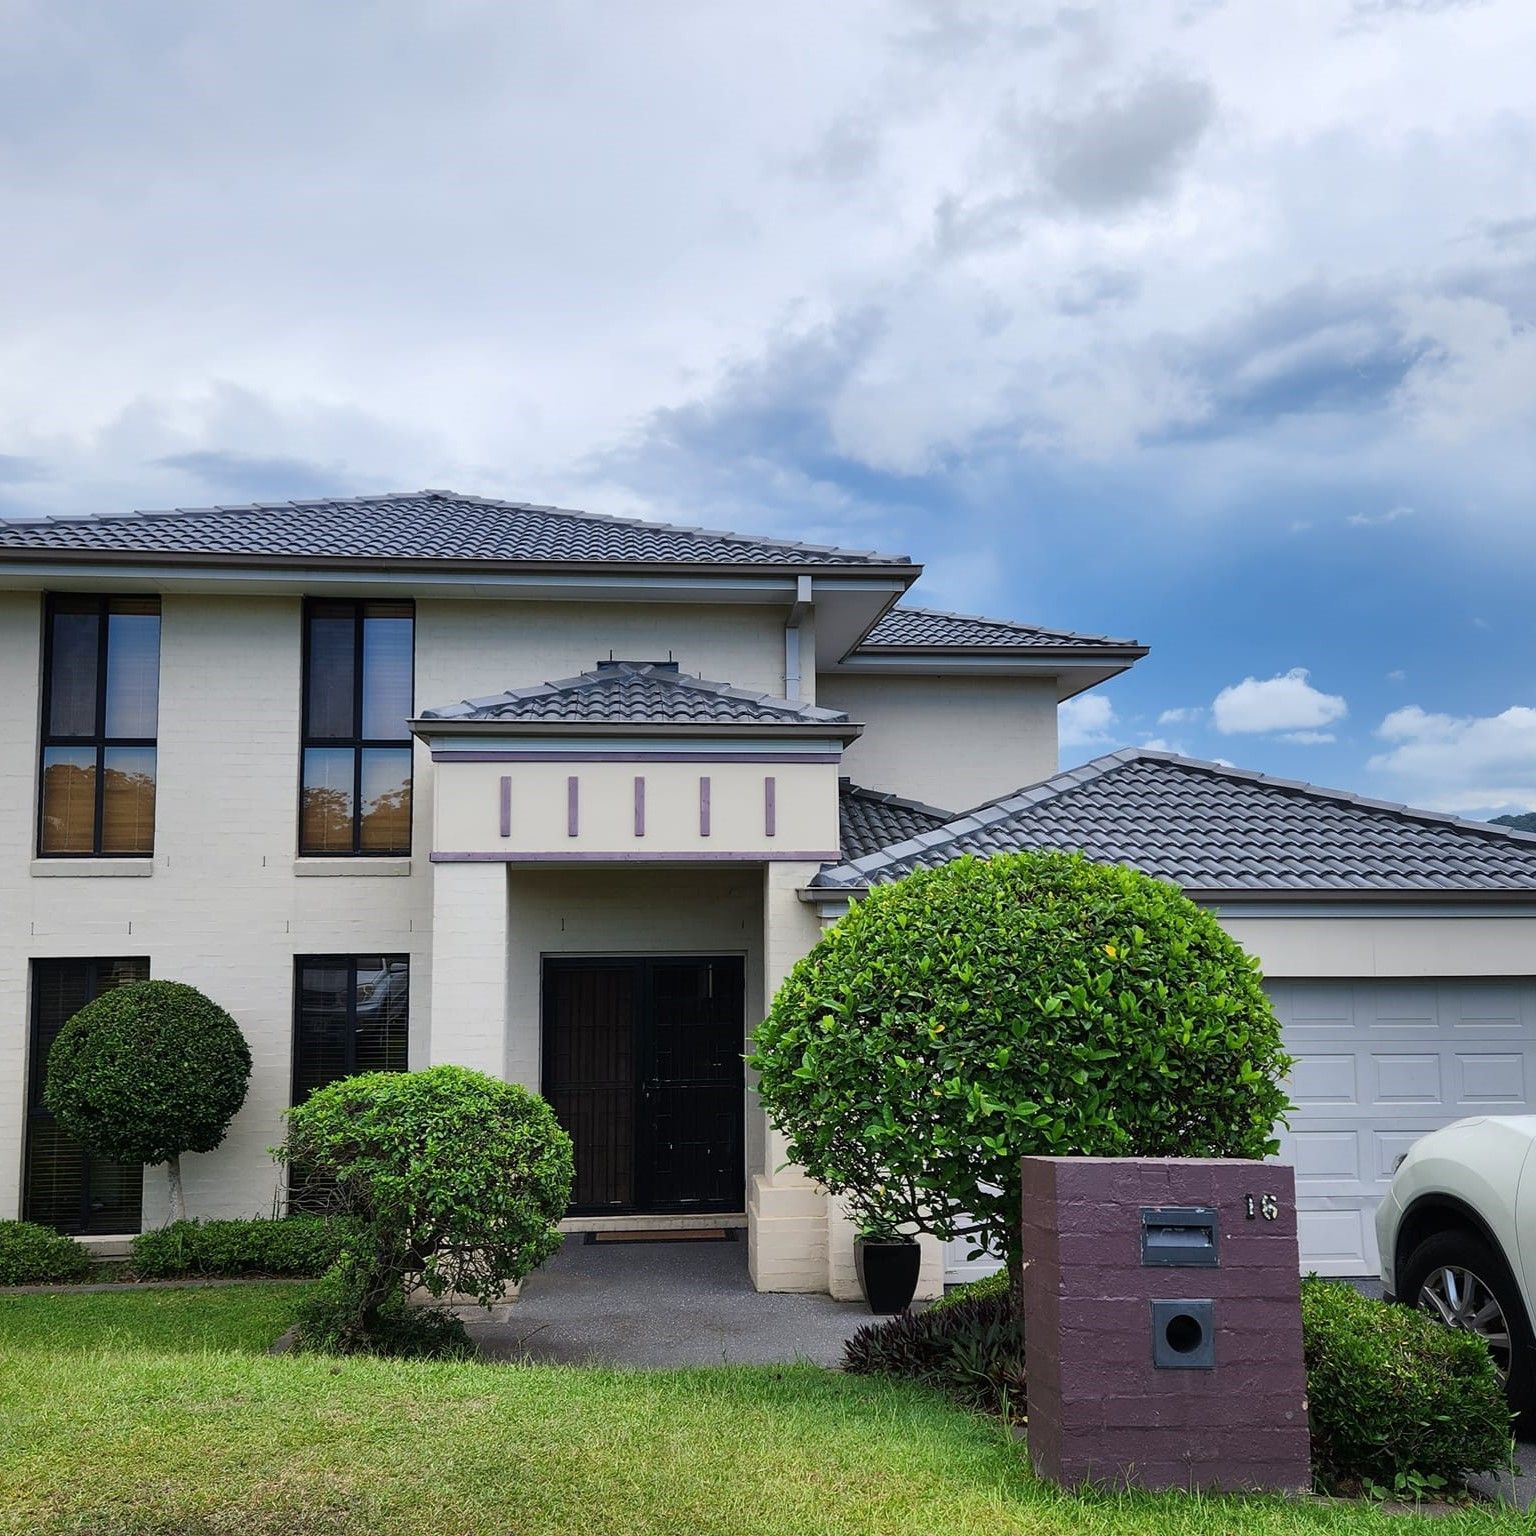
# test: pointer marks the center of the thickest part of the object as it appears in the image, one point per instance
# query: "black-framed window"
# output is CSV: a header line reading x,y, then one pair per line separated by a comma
x,y
101,705
63,1184
351,1014
355,789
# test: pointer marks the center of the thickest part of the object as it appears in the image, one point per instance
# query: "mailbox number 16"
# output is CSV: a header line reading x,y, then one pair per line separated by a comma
x,y
1267,1206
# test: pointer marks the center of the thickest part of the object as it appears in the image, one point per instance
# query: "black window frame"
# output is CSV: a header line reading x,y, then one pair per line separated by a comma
x,y
37,968
357,743
350,962
98,739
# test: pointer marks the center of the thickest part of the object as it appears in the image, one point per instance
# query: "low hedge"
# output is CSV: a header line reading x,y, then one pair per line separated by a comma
x,y
34,1255
995,1284
971,1349
300,1246
1398,1403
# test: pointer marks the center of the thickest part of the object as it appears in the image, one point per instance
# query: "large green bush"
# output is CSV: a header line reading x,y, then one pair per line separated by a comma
x,y
34,1255
1398,1403
293,1245
148,1071
1033,1003
456,1180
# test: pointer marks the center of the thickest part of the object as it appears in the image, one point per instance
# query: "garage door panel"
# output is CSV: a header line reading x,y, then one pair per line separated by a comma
x,y
1390,1061
1318,1079
1487,1080
1401,1078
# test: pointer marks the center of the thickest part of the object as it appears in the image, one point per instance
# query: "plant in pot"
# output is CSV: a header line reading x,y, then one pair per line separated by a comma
x,y
887,1260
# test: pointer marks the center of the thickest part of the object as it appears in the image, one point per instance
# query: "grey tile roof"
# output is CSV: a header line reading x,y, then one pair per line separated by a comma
x,y
925,629
1224,831
639,693
416,527
870,820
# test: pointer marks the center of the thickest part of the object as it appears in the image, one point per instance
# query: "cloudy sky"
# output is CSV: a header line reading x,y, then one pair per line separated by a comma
x,y
1211,324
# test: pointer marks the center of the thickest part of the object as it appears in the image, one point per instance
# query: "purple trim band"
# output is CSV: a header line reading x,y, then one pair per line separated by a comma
x,y
506,805
572,806
763,856
637,757
770,806
704,805
639,805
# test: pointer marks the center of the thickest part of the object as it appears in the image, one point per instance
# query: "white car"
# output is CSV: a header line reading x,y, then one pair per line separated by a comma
x,y
1457,1233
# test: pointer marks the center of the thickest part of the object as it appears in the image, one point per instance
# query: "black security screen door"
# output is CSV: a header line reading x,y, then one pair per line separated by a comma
x,y
642,1063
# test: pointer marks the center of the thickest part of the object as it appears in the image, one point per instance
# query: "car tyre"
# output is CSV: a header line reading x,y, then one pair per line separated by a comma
x,y
1466,1255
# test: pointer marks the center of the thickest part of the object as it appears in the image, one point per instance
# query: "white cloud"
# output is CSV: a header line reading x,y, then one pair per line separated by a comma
x,y
1161,744
1472,763
1287,702
1378,519
1397,675
1309,738
1185,715
1085,721
1476,372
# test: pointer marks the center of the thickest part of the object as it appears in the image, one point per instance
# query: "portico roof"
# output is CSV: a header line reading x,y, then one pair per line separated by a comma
x,y
649,695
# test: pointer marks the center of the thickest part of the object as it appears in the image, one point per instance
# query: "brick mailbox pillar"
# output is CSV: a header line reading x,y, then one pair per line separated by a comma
x,y
1163,1323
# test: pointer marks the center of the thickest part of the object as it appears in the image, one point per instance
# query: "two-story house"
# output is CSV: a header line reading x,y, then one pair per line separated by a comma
x,y
420,778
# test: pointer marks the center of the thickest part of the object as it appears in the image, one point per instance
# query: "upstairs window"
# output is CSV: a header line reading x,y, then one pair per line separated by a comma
x,y
355,795
101,703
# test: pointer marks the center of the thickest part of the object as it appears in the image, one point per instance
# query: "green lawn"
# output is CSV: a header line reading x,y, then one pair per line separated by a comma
x,y
153,1413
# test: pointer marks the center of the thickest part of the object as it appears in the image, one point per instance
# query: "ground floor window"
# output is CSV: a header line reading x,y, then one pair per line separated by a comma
x,y
65,1185
351,1015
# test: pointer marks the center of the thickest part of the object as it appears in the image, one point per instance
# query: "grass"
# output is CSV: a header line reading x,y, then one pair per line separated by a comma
x,y
118,1420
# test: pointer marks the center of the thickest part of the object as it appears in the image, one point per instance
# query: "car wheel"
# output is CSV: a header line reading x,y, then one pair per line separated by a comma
x,y
1458,1279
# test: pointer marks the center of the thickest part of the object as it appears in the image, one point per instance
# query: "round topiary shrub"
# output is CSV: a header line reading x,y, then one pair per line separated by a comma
x,y
457,1182
1033,1003
148,1071
34,1255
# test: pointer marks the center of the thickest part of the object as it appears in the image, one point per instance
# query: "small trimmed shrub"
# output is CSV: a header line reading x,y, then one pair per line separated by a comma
x,y
291,1245
34,1255
1399,1404
971,1349
1032,1003
147,1072
995,1284
456,1181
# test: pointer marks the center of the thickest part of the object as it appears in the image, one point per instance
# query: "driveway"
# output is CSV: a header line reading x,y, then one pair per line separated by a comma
x,y
661,1304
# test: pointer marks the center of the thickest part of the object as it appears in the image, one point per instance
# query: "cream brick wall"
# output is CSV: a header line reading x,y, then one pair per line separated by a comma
x,y
953,742
224,908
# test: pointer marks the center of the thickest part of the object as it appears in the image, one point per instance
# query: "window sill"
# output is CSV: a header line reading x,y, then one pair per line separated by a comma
x,y
93,868
345,866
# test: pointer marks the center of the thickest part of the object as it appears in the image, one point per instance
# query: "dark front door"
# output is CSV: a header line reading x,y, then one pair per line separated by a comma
x,y
642,1063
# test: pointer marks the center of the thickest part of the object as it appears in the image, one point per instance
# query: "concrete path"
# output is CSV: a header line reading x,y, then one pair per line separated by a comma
x,y
660,1304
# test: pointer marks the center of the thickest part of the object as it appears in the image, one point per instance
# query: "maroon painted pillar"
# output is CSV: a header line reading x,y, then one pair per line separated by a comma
x,y
1163,1323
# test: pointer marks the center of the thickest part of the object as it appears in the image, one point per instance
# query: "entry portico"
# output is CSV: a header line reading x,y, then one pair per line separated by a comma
x,y
615,861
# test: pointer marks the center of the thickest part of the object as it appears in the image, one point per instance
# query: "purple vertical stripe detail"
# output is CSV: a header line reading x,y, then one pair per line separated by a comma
x,y
770,806
639,806
572,806
704,806
506,805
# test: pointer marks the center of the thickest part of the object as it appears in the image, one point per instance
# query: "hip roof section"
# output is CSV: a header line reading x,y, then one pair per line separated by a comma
x,y
1223,832
421,527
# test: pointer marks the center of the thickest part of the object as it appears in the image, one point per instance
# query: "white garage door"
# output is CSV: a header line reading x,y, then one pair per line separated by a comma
x,y
1379,1063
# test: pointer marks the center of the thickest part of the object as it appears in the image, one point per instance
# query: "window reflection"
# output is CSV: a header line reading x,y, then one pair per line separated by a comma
x,y
356,778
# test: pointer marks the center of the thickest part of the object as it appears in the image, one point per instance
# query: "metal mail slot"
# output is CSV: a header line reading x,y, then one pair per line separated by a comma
x,y
1181,1235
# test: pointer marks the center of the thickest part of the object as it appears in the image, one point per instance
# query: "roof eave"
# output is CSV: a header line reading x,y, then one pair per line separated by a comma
x,y
810,730
42,555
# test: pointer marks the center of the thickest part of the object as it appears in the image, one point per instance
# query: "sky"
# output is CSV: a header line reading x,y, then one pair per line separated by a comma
x,y
1209,324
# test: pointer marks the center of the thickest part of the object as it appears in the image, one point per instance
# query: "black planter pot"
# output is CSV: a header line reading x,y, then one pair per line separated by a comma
x,y
887,1272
